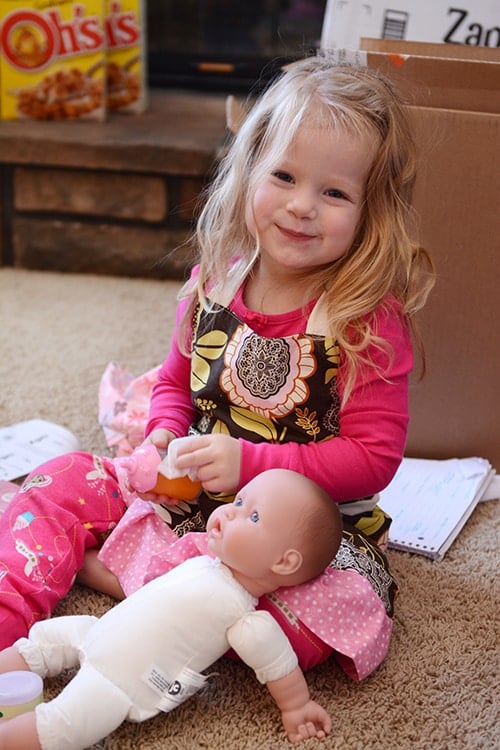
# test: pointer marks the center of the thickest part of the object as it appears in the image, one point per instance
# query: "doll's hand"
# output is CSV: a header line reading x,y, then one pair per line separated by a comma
x,y
161,439
311,720
215,458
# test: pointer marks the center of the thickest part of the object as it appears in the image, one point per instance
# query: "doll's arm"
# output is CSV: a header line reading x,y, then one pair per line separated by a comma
x,y
262,644
301,716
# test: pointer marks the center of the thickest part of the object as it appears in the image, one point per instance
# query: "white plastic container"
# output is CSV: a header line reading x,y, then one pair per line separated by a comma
x,y
19,692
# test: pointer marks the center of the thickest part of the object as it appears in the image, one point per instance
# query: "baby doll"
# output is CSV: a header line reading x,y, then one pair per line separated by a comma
x,y
281,530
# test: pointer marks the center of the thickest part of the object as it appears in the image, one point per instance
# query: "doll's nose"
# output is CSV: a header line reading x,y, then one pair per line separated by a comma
x,y
229,511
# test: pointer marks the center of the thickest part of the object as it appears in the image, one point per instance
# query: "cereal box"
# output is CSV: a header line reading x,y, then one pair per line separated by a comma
x,y
53,59
126,51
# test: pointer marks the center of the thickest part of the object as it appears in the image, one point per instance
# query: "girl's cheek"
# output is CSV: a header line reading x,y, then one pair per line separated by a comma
x,y
250,220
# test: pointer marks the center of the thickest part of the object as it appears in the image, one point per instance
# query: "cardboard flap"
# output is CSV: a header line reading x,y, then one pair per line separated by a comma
x,y
430,49
445,82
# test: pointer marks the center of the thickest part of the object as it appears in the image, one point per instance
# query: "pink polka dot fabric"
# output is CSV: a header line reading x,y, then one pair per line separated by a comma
x,y
342,608
128,550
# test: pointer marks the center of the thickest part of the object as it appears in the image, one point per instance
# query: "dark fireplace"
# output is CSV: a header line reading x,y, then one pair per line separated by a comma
x,y
227,45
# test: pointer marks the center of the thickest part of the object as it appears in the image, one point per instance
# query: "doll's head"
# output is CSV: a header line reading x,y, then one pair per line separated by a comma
x,y
281,530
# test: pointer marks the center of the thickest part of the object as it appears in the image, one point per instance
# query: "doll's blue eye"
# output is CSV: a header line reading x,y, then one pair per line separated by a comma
x,y
238,501
254,517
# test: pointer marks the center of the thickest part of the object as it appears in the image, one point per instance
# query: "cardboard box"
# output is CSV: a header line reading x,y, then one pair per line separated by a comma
x,y
455,409
53,59
126,55
470,22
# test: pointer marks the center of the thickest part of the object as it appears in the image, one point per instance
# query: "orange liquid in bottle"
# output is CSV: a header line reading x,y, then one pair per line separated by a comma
x,y
182,488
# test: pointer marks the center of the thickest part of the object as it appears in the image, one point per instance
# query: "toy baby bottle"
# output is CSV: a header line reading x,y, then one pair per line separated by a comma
x,y
20,692
148,472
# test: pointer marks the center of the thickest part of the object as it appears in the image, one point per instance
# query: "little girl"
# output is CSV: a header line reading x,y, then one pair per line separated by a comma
x,y
292,350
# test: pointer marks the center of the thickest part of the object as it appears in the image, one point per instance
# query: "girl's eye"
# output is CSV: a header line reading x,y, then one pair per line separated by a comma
x,y
334,193
254,517
238,501
283,176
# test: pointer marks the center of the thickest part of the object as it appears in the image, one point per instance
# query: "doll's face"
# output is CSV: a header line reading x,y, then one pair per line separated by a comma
x,y
251,534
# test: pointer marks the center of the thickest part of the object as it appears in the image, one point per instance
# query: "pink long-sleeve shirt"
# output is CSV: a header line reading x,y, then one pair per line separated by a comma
x,y
357,463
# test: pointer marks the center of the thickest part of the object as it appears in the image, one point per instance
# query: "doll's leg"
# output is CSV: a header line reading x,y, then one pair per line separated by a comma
x,y
63,508
88,709
53,645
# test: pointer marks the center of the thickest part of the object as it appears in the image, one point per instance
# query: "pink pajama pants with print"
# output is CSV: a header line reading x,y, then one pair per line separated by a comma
x,y
62,509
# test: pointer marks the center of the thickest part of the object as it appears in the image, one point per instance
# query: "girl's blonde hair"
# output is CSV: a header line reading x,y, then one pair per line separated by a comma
x,y
384,258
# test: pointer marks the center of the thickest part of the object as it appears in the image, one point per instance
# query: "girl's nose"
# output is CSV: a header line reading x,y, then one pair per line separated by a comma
x,y
302,204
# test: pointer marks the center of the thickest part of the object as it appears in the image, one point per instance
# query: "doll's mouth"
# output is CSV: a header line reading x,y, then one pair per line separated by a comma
x,y
215,529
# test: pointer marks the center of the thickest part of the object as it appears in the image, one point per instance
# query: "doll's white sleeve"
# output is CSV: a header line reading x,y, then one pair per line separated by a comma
x,y
261,643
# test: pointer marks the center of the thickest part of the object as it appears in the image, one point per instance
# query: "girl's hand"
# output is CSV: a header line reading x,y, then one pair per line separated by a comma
x,y
216,459
161,438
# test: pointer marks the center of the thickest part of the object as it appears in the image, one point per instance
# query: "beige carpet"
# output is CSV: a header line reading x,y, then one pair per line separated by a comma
x,y
438,688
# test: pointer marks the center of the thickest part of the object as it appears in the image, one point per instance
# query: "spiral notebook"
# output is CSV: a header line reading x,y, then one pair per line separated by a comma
x,y
430,501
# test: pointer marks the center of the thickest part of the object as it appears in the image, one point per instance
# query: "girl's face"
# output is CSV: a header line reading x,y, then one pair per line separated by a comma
x,y
306,212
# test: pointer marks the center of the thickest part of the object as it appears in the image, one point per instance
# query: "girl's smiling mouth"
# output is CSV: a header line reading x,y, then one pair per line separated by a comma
x,y
292,234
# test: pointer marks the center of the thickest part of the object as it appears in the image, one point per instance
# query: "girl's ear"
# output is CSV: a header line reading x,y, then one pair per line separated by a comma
x,y
290,563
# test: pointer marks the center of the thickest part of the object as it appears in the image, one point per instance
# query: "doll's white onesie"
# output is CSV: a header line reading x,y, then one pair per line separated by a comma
x,y
145,654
